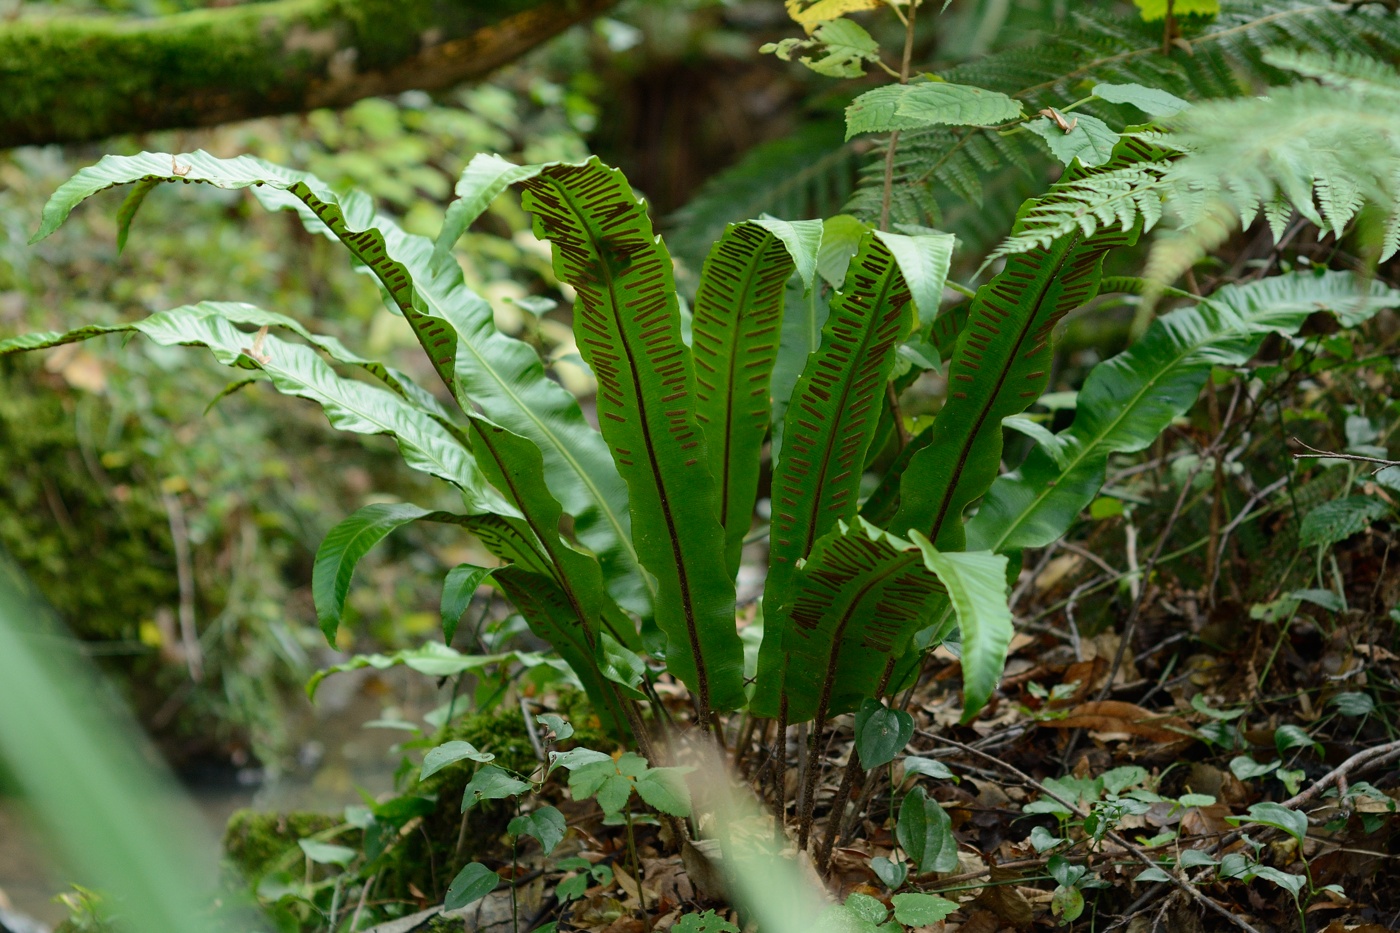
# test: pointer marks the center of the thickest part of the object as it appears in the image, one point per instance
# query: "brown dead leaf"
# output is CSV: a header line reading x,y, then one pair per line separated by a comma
x,y
1123,718
1006,901
1337,926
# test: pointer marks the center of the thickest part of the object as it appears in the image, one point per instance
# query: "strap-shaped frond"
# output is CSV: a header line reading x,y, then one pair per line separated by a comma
x,y
454,325
857,603
834,411
1000,366
627,323
551,615
294,369
351,539
515,467
1130,399
738,321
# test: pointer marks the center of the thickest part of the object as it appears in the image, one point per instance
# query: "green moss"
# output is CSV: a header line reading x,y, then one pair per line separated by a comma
x,y
254,841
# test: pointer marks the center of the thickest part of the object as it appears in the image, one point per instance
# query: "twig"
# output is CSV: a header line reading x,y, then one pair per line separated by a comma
x,y
1339,773
534,735
1129,847
184,575
1333,455
894,136
359,908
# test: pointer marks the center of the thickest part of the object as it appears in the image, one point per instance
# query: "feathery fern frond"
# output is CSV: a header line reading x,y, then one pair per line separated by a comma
x,y
805,175
937,166
1325,149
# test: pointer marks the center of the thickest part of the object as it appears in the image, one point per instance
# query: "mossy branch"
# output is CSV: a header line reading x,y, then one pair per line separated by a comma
x,y
76,78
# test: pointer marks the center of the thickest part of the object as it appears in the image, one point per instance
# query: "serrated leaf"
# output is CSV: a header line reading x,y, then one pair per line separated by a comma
x,y
738,314
1129,400
925,832
1090,140
448,753
472,883
458,589
931,103
1151,100
1339,519
808,13
545,824
881,733
665,789
842,48
916,910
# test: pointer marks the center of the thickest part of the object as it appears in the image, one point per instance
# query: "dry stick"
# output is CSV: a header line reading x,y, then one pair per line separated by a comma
x,y
359,908
1330,455
1360,759
894,136
184,575
848,780
1129,847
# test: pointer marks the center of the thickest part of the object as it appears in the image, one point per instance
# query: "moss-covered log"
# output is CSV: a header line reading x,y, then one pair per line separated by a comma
x,y
75,78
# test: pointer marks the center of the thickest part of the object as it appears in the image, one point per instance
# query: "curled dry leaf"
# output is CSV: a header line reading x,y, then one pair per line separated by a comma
x,y
1124,718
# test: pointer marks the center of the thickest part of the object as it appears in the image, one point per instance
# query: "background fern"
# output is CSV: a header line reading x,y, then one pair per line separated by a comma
x,y
970,181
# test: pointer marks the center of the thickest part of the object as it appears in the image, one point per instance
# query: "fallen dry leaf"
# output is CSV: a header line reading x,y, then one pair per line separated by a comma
x,y
1126,718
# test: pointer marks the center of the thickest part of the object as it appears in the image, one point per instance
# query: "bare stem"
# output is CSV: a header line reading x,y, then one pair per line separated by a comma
x,y
894,136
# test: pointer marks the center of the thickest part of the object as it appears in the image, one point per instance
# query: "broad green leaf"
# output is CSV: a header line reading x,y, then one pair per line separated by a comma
x,y
603,781
923,260
350,540
472,883
834,412
426,444
454,325
810,13
804,315
1089,139
546,824
999,367
664,789
738,318
881,733
925,832
1068,903
1339,519
512,541
448,753
1279,817
929,766
457,592
976,585
514,465
891,874
551,615
917,910
867,908
1151,100
491,783
930,103
323,853
841,238
628,326
1293,884
1130,399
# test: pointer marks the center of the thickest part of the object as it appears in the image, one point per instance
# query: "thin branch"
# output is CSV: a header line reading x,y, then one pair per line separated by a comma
x,y
1333,455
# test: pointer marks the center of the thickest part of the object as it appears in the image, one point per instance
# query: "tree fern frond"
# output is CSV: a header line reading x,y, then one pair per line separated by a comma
x,y
808,174
940,164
